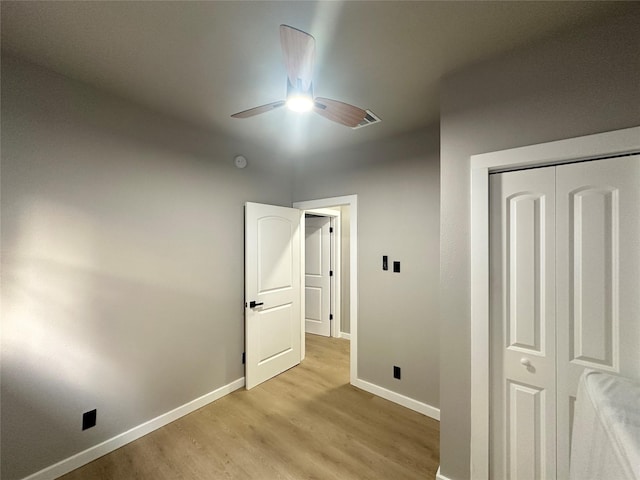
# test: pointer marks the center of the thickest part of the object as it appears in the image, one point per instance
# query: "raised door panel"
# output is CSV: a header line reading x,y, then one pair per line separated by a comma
x,y
598,273
593,291
522,312
526,432
275,254
277,332
526,272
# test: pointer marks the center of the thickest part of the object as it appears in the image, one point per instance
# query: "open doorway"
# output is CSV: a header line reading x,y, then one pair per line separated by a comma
x,y
323,272
345,209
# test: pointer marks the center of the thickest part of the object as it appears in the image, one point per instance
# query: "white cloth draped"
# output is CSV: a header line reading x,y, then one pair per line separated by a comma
x,y
606,428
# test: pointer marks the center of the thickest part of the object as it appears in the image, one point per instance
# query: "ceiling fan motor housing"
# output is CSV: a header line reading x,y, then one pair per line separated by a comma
x,y
298,98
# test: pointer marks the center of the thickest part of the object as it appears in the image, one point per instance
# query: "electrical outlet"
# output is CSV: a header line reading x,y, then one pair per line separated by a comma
x,y
396,267
385,262
396,372
89,419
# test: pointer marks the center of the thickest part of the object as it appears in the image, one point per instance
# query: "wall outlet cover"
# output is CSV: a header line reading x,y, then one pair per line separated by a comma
x,y
89,419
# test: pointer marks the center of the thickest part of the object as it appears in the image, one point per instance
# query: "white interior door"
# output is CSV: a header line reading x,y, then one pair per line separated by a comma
x,y
523,363
565,271
317,275
272,291
598,278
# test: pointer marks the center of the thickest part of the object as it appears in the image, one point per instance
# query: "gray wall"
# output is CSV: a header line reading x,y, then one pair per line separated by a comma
x,y
122,263
577,84
398,211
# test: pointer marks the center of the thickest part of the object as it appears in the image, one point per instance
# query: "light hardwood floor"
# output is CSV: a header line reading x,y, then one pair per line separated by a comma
x,y
307,423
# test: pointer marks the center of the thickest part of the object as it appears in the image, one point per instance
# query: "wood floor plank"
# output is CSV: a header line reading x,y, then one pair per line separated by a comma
x,y
307,423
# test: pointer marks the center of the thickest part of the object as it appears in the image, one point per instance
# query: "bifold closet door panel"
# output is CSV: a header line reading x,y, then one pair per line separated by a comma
x,y
598,278
523,342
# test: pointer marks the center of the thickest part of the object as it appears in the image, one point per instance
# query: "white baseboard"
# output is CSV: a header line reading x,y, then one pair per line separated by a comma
x,y
439,476
97,451
346,336
398,398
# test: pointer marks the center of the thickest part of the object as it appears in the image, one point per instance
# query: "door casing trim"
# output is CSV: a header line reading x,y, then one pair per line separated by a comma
x,y
352,202
619,142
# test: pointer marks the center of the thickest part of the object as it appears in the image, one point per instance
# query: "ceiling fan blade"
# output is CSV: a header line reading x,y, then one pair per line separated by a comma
x,y
339,112
258,110
299,49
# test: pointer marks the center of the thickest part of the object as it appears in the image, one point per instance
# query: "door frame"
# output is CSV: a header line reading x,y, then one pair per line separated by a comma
x,y
589,147
335,244
352,202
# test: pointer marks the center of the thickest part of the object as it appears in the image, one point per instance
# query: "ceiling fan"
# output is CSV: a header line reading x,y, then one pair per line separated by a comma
x,y
299,53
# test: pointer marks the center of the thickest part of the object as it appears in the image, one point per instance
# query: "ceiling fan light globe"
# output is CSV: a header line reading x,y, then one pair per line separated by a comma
x,y
300,103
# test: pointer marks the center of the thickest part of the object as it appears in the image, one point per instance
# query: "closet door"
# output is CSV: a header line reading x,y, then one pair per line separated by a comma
x,y
598,278
523,335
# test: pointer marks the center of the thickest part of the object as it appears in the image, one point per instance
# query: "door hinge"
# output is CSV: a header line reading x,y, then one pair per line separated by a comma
x,y
330,229
331,273
331,316
243,357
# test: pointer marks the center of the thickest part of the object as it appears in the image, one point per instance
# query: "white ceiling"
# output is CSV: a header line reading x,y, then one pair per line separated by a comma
x,y
203,61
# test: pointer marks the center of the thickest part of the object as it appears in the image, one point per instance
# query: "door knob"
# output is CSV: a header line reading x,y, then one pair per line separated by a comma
x,y
525,361
254,304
